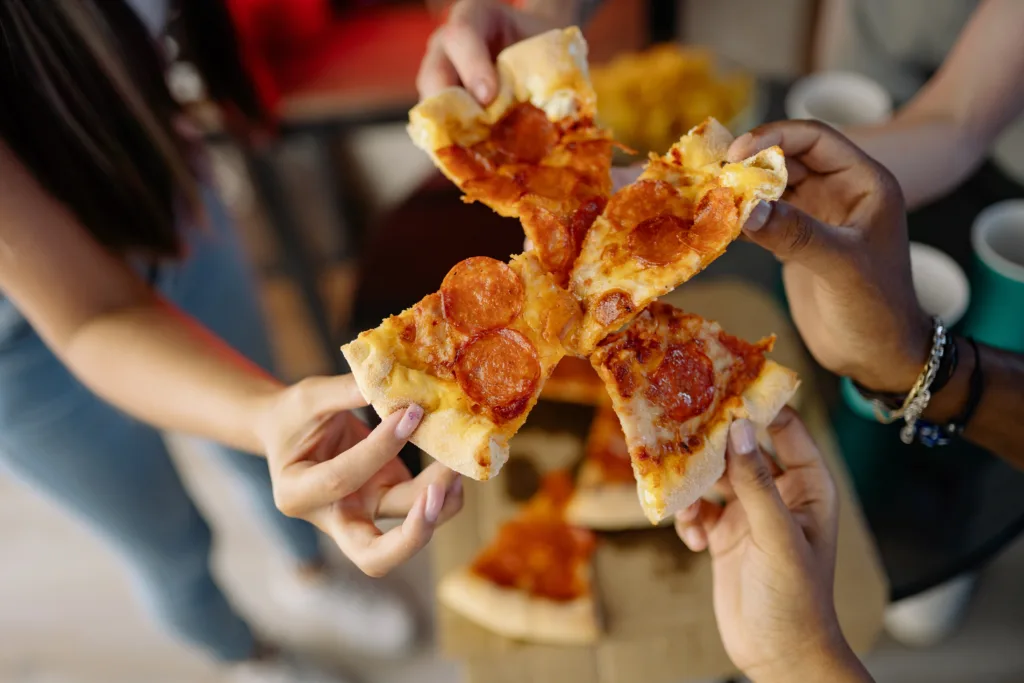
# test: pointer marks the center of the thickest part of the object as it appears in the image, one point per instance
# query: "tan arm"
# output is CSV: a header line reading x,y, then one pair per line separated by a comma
x,y
941,136
112,331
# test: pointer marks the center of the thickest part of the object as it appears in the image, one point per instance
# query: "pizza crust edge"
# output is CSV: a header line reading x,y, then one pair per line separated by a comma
x,y
515,614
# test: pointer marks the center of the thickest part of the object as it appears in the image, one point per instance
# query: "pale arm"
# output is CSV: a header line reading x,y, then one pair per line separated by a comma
x,y
112,331
942,135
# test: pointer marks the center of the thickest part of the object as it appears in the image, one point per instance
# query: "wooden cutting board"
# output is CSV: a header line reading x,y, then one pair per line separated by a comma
x,y
655,594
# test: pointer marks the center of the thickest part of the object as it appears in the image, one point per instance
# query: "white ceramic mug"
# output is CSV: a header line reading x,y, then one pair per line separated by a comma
x,y
839,98
942,289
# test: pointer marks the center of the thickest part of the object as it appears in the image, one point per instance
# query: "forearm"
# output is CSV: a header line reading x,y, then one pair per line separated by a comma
x,y
998,421
161,367
930,154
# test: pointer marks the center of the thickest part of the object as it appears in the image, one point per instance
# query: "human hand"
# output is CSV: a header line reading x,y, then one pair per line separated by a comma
x,y
462,51
330,469
841,234
773,551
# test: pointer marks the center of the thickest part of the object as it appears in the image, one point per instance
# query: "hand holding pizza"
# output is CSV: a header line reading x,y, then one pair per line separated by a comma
x,y
463,50
841,234
330,469
773,551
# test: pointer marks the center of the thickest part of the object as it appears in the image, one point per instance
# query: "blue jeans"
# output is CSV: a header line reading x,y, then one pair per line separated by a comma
x,y
115,472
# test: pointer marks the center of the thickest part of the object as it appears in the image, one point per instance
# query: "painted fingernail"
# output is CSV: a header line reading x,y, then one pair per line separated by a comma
x,y
482,90
435,500
742,437
758,216
410,420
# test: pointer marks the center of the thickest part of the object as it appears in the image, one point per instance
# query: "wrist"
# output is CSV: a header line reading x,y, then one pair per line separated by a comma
x,y
836,663
258,404
896,370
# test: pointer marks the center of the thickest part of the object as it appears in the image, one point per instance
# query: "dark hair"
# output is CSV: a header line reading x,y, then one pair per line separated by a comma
x,y
85,107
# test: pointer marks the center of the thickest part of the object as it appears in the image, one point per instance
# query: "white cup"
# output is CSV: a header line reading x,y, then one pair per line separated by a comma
x,y
942,289
940,283
839,98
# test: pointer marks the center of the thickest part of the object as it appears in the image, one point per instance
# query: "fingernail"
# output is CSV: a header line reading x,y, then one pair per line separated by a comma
x,y
435,500
758,216
742,437
693,538
410,420
482,90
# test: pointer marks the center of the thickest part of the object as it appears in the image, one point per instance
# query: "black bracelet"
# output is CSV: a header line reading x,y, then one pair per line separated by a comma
x,y
947,367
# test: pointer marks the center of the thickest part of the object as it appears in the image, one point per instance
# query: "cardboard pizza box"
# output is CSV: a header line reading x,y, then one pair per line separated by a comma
x,y
655,594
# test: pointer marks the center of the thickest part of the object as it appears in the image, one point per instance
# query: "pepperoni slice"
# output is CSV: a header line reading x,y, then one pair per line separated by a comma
x,y
684,382
613,307
660,240
480,294
646,199
551,237
500,370
583,218
716,221
523,134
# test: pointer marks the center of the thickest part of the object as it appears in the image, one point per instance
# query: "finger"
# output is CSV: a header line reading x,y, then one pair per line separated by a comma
x,y
436,71
398,500
751,479
820,148
320,395
377,553
792,235
464,39
310,485
694,523
793,444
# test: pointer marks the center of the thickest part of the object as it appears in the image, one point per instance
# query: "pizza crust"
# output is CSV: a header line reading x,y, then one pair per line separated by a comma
x,y
549,71
457,438
760,403
515,614
609,507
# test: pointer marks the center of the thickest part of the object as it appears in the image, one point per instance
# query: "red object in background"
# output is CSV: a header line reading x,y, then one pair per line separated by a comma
x,y
293,46
269,30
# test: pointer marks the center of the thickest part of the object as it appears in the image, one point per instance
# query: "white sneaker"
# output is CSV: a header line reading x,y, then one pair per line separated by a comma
x,y
359,610
281,670
931,617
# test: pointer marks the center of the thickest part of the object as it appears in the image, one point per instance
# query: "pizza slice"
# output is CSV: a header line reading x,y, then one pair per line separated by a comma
x,y
657,233
474,356
677,382
574,381
533,582
605,498
535,152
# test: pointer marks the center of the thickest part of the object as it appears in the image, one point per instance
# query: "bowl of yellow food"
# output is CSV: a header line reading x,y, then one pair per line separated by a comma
x,y
650,99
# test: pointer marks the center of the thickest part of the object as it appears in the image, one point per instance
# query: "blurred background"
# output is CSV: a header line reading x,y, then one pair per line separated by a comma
x,y
347,222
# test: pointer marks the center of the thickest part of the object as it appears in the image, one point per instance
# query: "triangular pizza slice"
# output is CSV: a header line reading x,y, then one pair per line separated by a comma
x,y
677,382
605,498
474,356
535,152
657,233
534,580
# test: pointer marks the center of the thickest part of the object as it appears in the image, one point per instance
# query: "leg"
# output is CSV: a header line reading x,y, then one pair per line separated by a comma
x,y
116,474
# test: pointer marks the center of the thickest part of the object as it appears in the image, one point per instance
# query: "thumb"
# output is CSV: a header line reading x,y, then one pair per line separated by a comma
x,y
792,235
752,481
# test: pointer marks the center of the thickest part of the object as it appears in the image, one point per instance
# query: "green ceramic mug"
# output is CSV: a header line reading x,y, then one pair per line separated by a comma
x,y
996,315
942,289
